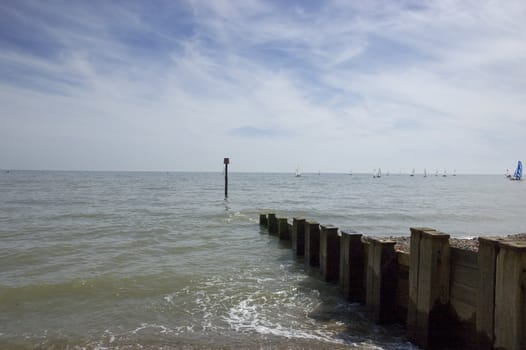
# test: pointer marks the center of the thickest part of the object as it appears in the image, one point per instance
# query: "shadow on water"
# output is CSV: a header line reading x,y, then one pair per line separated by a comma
x,y
351,324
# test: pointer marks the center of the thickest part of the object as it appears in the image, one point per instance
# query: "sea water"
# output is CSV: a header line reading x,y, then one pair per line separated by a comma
x,y
149,260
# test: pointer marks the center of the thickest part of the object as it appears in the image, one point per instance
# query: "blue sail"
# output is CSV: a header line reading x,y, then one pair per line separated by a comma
x,y
518,173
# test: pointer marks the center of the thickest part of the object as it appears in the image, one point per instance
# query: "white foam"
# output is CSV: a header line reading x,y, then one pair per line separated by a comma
x,y
246,317
169,298
263,280
162,329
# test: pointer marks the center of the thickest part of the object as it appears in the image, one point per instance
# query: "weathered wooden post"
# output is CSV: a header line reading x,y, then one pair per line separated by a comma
x,y
382,278
263,220
329,253
298,236
428,323
352,266
283,229
272,224
487,261
312,244
510,296
402,286
226,161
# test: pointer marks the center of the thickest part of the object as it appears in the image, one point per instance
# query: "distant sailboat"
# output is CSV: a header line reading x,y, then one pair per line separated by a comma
x,y
298,174
444,174
508,175
517,175
425,172
377,173
413,172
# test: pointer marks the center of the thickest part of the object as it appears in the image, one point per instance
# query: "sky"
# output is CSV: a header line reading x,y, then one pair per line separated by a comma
x,y
330,86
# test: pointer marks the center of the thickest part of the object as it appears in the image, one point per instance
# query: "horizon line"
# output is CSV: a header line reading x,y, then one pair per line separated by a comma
x,y
8,170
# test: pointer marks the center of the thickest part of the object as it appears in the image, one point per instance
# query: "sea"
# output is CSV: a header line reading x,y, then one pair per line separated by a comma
x,y
161,260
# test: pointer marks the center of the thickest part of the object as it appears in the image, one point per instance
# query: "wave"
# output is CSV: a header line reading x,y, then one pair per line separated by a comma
x,y
107,287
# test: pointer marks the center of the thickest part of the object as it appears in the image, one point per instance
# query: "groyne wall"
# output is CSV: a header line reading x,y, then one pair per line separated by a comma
x,y
447,297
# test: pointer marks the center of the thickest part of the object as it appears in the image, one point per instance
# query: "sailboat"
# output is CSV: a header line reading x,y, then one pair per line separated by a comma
x,y
517,175
298,174
508,175
425,172
413,172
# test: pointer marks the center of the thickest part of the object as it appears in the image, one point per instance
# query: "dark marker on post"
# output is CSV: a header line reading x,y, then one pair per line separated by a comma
x,y
226,161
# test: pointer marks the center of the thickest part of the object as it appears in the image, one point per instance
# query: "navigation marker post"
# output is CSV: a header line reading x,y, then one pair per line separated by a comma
x,y
226,161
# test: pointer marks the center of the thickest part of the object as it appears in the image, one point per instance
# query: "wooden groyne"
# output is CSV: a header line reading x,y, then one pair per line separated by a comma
x,y
447,297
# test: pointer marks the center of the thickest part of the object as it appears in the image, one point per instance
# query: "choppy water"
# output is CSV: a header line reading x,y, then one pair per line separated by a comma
x,y
131,260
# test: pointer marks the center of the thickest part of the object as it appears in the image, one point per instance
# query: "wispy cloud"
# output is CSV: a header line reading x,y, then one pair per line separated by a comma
x,y
335,85
250,131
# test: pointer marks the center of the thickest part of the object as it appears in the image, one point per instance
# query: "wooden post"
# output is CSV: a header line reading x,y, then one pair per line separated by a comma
x,y
283,229
263,220
402,286
352,266
329,253
272,224
510,296
414,261
382,278
428,323
298,236
487,261
312,243
226,161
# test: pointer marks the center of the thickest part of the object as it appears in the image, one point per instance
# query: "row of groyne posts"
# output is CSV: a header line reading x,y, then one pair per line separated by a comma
x,y
447,297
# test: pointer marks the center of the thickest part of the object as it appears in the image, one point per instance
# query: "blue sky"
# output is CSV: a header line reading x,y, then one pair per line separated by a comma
x,y
326,85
